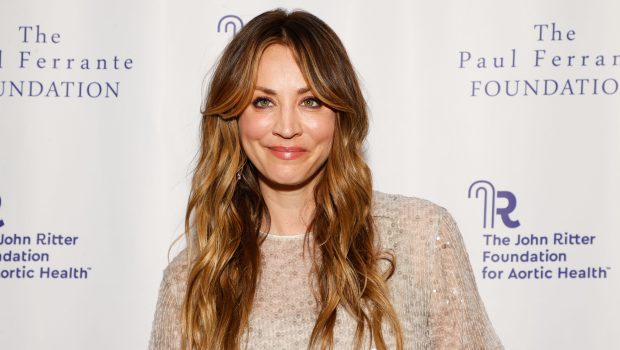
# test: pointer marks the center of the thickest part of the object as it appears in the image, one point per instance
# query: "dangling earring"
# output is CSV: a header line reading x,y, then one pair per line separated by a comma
x,y
240,171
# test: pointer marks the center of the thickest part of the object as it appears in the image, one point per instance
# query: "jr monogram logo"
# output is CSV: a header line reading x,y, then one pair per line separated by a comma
x,y
489,194
229,20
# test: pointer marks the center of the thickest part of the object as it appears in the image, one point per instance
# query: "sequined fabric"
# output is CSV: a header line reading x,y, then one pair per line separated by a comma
x,y
433,289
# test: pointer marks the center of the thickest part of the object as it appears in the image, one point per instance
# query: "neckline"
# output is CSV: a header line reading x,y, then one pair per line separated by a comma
x,y
285,237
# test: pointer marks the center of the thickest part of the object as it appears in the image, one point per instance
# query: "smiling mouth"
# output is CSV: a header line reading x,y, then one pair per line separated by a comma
x,y
287,153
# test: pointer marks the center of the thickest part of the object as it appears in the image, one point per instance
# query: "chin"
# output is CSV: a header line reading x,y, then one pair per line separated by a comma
x,y
290,181
278,181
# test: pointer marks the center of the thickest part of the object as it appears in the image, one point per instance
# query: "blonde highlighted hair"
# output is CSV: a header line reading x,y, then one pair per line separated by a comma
x,y
224,213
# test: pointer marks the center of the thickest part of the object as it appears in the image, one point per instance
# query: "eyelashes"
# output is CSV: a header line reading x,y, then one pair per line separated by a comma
x,y
261,102
265,102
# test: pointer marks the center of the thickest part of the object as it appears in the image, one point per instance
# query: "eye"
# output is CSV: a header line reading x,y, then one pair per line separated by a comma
x,y
261,102
311,102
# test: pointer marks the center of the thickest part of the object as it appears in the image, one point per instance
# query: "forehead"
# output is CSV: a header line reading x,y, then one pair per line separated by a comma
x,y
277,68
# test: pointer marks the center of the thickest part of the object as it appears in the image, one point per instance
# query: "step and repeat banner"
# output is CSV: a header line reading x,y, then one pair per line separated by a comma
x,y
511,108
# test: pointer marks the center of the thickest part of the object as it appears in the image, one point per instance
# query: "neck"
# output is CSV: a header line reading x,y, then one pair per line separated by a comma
x,y
290,208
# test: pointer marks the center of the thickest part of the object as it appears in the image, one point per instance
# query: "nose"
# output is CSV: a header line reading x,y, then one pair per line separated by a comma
x,y
288,122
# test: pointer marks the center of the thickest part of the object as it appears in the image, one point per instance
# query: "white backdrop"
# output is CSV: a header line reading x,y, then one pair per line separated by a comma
x,y
105,155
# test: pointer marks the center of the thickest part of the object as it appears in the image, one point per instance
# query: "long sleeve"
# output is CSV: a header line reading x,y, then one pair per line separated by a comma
x,y
458,319
166,331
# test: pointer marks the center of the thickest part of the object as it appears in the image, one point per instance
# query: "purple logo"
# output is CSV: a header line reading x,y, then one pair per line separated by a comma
x,y
229,20
1,221
486,190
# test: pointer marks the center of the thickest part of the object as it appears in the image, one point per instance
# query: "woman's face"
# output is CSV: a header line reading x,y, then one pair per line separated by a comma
x,y
285,131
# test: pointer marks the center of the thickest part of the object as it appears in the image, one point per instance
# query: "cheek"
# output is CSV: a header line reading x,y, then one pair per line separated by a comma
x,y
323,129
252,127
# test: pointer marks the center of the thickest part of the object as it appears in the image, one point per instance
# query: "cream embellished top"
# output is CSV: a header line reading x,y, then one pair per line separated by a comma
x,y
433,288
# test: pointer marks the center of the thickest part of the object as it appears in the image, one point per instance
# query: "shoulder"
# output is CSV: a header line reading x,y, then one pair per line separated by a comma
x,y
414,220
175,274
398,207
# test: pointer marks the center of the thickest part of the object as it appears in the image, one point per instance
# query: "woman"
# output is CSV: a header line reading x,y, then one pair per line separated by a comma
x,y
288,246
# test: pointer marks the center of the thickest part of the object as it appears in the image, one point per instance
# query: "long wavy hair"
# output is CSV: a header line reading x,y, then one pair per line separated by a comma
x,y
224,212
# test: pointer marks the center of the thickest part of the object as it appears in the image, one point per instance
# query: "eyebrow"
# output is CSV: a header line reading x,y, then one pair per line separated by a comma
x,y
273,92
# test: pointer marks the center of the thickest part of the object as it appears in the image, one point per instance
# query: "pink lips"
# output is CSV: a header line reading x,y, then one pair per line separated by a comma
x,y
287,153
